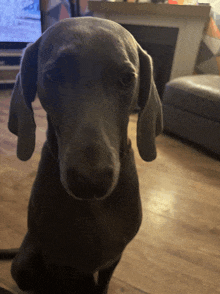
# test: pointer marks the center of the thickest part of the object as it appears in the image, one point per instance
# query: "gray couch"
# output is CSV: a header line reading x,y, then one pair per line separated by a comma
x,y
191,108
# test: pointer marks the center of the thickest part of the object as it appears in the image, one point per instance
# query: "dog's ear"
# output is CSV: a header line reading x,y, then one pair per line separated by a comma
x,y
150,120
21,116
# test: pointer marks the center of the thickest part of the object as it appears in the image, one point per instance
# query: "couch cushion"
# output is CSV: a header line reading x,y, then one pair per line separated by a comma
x,y
198,94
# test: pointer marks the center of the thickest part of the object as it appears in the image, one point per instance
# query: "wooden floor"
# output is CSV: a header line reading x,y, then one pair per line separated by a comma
x,y
177,250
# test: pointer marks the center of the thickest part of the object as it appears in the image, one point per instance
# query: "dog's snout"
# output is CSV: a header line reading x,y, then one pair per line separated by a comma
x,y
95,186
90,164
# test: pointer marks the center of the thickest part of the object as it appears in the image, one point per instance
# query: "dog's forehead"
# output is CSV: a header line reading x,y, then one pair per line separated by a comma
x,y
89,37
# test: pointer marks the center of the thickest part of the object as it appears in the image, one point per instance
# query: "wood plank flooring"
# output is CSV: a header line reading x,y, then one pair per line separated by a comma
x,y
177,250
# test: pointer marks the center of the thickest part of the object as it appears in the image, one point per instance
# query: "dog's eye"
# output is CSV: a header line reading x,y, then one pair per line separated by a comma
x,y
54,75
127,79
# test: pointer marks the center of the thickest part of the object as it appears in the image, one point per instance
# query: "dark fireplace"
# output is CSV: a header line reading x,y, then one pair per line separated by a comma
x,y
160,43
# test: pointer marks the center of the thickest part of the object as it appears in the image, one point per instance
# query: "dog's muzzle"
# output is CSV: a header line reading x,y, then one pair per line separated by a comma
x,y
89,179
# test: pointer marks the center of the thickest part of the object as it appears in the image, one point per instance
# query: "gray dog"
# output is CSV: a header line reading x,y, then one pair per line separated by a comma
x,y
85,207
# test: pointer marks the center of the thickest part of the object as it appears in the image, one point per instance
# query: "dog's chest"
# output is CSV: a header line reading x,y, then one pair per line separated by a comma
x,y
87,237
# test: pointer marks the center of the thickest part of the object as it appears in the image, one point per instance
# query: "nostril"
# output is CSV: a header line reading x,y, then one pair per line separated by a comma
x,y
74,177
105,176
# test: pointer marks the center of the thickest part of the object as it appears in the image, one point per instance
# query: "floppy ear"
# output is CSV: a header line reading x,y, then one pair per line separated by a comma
x,y
21,117
150,120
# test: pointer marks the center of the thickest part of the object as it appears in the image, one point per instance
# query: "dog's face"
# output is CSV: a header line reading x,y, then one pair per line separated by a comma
x,y
88,87
89,79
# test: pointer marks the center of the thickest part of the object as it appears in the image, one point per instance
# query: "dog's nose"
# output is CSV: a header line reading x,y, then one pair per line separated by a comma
x,y
96,186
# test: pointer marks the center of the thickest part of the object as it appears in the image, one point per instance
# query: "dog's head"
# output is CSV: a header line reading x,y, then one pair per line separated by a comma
x,y
89,74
